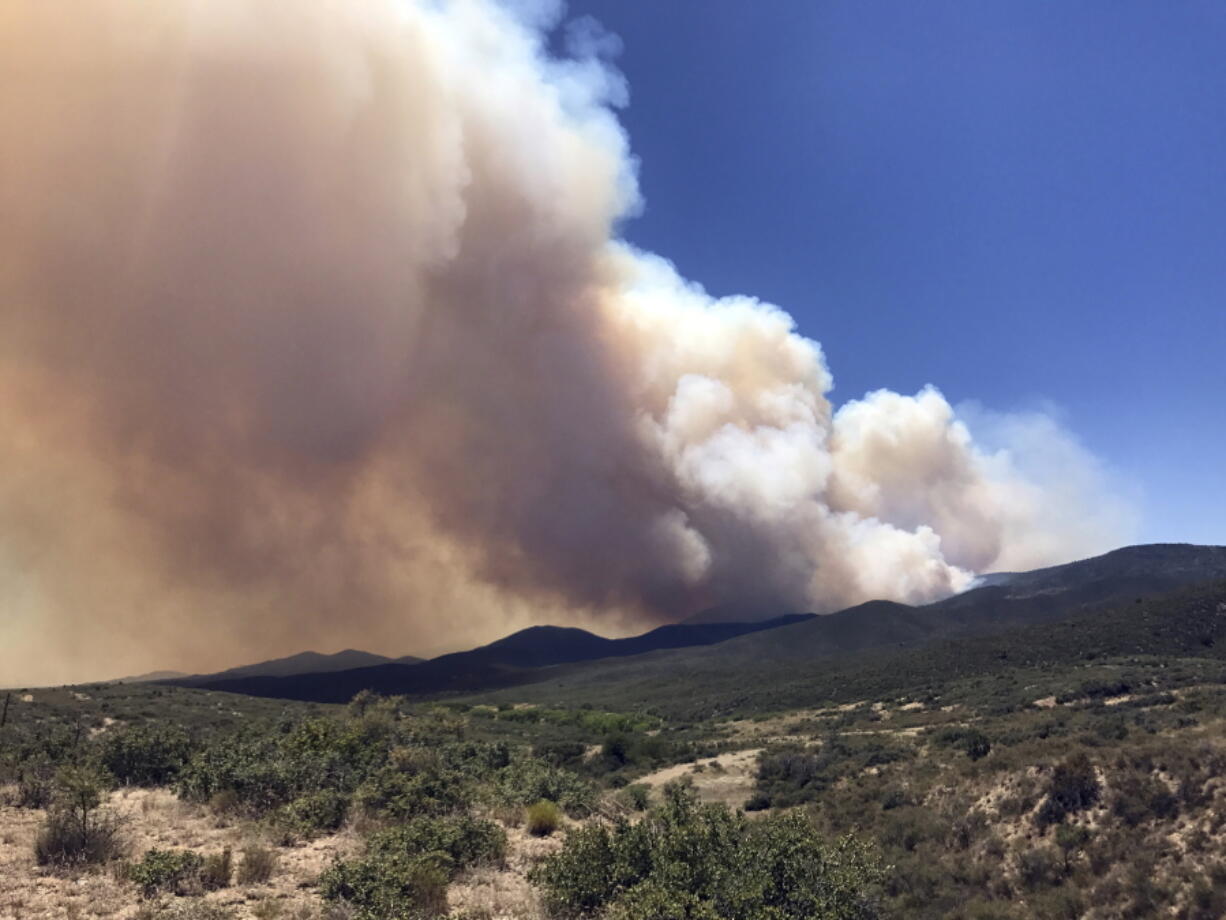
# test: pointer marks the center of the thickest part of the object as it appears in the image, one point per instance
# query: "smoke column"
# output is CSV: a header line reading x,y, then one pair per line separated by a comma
x,y
315,330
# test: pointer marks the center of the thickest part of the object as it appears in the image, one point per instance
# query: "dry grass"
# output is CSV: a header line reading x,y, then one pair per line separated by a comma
x,y
728,779
154,818
487,893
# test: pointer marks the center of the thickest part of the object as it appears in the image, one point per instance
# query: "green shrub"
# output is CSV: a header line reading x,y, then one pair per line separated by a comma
x,y
35,787
689,861
1140,797
258,865
64,841
144,755
971,741
543,818
248,772
1040,867
637,796
561,753
77,830
404,871
398,793
527,781
263,772
216,871
792,774
1073,787
386,886
459,841
314,813
167,872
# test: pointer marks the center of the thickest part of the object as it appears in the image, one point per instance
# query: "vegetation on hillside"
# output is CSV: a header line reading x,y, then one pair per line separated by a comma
x,y
1073,770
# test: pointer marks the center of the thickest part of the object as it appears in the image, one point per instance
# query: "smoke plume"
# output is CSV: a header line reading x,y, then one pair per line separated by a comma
x,y
315,329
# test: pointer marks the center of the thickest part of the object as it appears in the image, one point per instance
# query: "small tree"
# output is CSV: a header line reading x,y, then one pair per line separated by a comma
x,y
976,745
1074,787
77,830
1071,838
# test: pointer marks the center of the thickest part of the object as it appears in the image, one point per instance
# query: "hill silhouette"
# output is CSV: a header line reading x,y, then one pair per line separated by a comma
x,y
301,663
764,650
506,661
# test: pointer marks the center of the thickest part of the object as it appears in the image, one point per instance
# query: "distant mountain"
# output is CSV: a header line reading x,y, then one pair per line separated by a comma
x,y
800,653
1016,599
151,677
1183,629
1149,567
1005,601
507,661
747,652
302,663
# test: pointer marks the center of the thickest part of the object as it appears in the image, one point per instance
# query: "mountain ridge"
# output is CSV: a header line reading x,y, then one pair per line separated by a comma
x,y
540,653
309,662
500,662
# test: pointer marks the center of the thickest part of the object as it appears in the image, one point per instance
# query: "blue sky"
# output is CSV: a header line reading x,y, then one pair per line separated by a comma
x,y
1022,203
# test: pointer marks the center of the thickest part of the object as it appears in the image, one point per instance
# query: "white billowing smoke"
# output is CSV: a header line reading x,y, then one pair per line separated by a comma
x,y
315,329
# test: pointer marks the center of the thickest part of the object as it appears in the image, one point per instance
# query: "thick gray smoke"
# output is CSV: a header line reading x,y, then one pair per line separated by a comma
x,y
315,330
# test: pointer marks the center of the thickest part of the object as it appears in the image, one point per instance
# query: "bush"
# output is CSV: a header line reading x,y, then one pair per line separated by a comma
x,y
145,755
527,781
704,862
167,872
386,886
216,871
543,818
1040,867
971,741
315,812
35,788
262,772
64,841
404,871
77,830
976,745
637,796
399,793
457,842
248,773
1140,797
258,865
561,753
1073,787
793,775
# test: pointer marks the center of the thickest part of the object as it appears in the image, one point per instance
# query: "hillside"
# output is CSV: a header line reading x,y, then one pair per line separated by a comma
x,y
770,651
507,661
747,676
302,663
1067,769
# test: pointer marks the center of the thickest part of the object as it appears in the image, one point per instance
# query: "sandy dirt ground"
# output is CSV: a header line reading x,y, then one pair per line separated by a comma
x,y
728,779
155,818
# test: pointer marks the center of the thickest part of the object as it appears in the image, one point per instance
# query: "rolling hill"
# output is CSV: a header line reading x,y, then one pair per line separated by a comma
x,y
838,659
302,663
788,648
509,660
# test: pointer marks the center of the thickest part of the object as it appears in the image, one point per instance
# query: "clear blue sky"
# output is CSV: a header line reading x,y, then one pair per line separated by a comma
x,y
1020,202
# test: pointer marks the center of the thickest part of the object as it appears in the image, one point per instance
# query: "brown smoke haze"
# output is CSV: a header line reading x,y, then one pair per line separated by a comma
x,y
315,331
